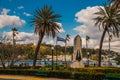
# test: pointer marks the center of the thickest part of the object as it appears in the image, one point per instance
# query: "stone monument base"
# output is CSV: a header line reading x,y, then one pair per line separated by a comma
x,y
77,64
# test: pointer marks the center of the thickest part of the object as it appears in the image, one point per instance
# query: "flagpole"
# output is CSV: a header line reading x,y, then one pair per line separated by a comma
x,y
60,39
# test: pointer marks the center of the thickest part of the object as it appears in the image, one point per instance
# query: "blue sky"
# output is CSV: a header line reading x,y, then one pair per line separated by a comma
x,y
76,19
66,8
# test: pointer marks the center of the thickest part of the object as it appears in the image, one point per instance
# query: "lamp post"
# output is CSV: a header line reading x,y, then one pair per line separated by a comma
x,y
88,57
52,48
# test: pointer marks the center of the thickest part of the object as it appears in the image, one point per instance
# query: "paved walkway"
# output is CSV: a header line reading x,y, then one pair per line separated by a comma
x,y
18,77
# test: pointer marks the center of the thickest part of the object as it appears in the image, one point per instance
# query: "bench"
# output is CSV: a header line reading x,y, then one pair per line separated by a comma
x,y
41,73
112,77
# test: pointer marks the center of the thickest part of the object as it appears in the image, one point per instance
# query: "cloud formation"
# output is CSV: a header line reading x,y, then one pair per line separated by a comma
x,y
22,37
61,30
7,20
5,11
87,27
26,38
27,14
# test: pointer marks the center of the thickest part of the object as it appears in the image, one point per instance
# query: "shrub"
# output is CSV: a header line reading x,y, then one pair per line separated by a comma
x,y
60,74
17,72
97,70
88,76
77,74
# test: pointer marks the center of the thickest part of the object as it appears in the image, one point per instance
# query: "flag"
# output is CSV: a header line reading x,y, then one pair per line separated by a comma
x,y
60,39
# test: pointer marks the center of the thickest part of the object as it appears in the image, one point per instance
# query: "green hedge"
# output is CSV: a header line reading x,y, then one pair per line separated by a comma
x,y
88,76
60,74
57,74
77,74
97,70
17,72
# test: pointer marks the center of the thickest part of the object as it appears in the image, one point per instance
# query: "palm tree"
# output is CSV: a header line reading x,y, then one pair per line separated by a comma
x,y
109,19
14,33
45,22
116,3
66,39
110,38
87,39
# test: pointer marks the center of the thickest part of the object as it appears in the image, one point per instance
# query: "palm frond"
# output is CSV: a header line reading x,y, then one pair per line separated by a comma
x,y
46,21
108,18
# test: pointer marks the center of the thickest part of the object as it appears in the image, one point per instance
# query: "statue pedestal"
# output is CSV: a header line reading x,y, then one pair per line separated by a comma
x,y
77,64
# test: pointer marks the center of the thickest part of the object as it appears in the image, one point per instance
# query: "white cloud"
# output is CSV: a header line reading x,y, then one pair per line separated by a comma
x,y
5,11
27,14
50,42
7,20
20,7
26,38
61,30
87,27
22,37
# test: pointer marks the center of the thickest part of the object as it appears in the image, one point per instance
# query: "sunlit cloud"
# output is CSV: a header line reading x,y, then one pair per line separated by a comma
x,y
87,27
8,20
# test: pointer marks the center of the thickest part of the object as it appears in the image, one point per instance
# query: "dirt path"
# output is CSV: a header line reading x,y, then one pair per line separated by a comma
x,y
18,77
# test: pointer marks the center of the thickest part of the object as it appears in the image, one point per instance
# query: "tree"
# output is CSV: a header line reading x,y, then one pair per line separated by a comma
x,y
87,39
109,19
14,33
116,3
45,22
66,39
8,55
110,38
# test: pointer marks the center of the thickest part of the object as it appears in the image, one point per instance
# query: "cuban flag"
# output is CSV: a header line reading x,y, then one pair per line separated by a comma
x,y
60,39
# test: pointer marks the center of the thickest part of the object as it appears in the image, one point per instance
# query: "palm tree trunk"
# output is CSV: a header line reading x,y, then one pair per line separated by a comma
x,y
65,54
56,55
14,38
37,50
109,46
100,47
86,46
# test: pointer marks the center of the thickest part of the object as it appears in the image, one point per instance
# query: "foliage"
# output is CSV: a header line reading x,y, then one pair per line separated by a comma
x,y
115,3
58,74
117,59
46,23
108,18
17,72
79,74
11,54
94,70
88,76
